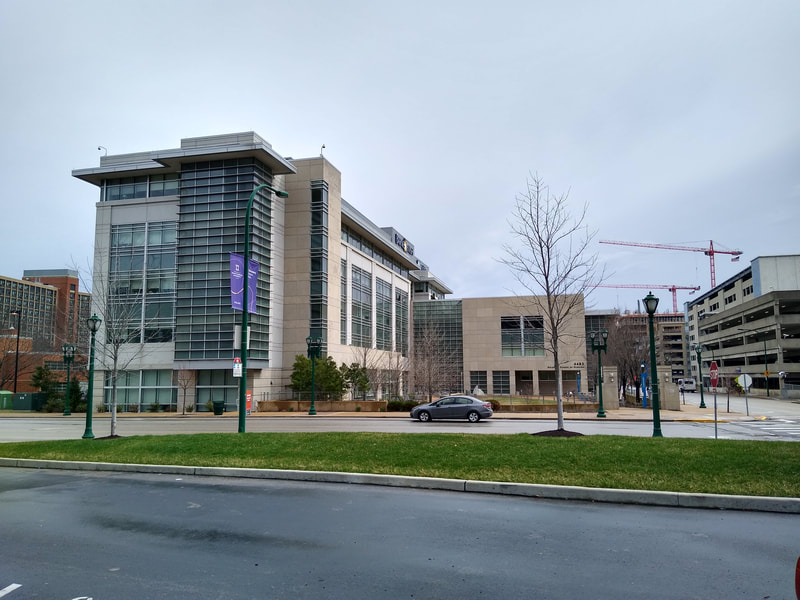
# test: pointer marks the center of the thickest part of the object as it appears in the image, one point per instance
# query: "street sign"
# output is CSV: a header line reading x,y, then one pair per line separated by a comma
x,y
714,373
237,367
766,373
745,381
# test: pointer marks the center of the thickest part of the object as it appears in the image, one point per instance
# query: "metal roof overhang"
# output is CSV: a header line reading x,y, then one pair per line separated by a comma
x,y
161,161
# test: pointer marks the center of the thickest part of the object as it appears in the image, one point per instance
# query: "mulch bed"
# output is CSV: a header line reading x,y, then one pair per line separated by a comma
x,y
558,433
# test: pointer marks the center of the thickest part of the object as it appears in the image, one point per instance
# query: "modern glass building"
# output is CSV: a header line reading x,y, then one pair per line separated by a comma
x,y
167,224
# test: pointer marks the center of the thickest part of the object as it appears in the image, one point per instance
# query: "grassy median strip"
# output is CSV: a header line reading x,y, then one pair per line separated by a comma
x,y
686,465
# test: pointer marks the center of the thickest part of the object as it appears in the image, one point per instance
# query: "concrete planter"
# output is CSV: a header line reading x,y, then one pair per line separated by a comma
x,y
322,406
550,408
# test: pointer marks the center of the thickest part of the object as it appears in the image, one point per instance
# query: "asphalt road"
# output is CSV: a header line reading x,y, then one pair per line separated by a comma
x,y
122,536
19,429
774,419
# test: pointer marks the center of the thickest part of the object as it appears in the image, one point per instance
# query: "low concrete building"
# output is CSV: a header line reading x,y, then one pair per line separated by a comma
x,y
750,325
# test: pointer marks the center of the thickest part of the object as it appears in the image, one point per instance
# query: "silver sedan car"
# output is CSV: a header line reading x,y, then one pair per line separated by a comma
x,y
453,407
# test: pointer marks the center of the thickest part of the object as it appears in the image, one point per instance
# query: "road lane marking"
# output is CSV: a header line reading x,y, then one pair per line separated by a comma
x,y
9,589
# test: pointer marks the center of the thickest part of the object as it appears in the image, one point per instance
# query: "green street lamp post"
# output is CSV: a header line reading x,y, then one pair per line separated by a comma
x,y
314,349
699,349
18,313
599,347
650,304
69,356
245,289
94,326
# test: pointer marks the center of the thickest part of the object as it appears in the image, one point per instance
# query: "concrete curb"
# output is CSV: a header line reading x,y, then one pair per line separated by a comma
x,y
552,492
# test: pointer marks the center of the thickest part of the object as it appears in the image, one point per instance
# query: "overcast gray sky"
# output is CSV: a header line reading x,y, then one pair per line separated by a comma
x,y
676,122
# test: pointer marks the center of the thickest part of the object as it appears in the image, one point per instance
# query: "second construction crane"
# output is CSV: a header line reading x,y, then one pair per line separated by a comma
x,y
671,288
710,251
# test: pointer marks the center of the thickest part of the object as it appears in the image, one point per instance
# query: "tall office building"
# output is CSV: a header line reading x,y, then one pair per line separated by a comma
x,y
167,223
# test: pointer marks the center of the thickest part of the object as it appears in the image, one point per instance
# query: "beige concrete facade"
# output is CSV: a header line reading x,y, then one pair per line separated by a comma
x,y
528,375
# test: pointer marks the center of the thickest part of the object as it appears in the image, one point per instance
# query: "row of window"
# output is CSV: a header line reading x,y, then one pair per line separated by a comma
x,y
522,336
142,186
359,243
318,271
142,277
210,229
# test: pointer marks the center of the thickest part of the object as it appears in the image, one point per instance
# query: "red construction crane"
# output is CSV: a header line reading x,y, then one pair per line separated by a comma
x,y
671,288
709,252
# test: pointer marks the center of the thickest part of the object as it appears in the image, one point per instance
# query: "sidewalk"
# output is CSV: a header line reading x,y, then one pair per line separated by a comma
x,y
688,413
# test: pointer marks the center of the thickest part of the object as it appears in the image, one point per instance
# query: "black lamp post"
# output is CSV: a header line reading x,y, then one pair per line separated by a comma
x,y
699,349
16,355
94,326
651,304
314,349
599,347
245,301
69,356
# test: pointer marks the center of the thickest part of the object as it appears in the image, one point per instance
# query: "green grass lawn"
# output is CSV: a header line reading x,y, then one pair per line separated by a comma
x,y
685,465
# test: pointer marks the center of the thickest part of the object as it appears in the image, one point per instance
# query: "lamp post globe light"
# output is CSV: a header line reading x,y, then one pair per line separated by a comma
x,y
69,356
245,300
18,313
94,326
314,349
699,349
651,304
599,346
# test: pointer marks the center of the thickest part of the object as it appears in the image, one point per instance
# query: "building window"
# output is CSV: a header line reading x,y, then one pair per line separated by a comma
x,y
142,279
383,314
438,341
213,201
477,379
361,321
730,299
125,188
501,382
167,184
522,336
141,391
401,321
216,385
354,240
343,315
318,297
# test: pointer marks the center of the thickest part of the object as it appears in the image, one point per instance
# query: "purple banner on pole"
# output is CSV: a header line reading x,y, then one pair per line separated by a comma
x,y
237,283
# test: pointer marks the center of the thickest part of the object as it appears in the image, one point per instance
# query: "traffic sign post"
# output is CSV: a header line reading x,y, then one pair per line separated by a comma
x,y
745,381
714,373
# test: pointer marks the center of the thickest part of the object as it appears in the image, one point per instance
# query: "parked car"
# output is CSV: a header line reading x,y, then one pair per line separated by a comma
x,y
453,407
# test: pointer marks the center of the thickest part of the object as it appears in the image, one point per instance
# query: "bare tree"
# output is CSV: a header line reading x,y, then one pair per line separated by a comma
x,y
185,379
432,360
371,360
124,333
396,368
628,347
550,258
16,364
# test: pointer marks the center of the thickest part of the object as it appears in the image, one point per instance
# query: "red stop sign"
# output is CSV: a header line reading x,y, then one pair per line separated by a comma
x,y
714,372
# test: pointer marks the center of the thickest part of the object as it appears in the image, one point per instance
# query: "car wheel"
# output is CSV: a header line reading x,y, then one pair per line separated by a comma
x,y
473,417
424,416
